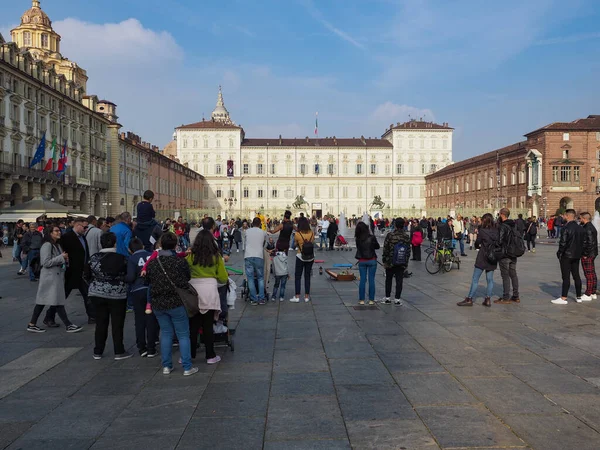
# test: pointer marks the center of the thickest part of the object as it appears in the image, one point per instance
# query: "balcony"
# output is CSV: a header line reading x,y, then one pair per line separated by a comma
x,y
26,172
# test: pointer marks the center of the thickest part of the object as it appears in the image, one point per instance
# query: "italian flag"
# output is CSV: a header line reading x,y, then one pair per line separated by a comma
x,y
316,123
50,162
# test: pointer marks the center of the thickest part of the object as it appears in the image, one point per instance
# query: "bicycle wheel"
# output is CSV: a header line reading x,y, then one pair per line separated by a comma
x,y
432,263
447,262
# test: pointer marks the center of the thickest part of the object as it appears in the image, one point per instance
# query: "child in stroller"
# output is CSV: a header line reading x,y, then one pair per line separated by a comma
x,y
341,243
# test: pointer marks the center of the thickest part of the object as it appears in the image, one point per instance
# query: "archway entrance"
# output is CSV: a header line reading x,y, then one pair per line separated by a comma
x,y
83,206
566,203
597,204
16,194
54,195
97,205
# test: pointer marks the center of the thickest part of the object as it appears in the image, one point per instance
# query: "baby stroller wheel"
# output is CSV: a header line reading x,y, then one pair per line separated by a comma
x,y
231,346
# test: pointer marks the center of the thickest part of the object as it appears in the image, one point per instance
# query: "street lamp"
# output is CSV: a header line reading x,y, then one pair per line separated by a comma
x,y
413,210
106,205
230,202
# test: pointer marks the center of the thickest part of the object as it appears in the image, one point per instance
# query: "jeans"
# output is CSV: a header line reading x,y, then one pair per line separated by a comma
x,y
556,231
461,243
174,322
16,253
395,272
508,271
323,241
33,253
568,267
489,276
280,282
530,238
111,311
255,270
60,309
306,267
146,325
206,322
367,268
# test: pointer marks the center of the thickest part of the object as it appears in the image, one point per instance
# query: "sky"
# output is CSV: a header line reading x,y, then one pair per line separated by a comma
x,y
493,70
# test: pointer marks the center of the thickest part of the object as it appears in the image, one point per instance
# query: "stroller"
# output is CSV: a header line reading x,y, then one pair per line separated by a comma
x,y
341,243
223,338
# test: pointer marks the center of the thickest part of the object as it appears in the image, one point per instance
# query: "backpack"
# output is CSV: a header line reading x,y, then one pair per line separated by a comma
x,y
417,238
515,247
401,254
532,228
308,249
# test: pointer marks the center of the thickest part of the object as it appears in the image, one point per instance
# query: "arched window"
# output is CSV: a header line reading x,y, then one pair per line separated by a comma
x,y
27,38
44,40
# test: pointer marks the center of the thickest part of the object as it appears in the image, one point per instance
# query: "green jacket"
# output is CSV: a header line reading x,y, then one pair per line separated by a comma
x,y
391,240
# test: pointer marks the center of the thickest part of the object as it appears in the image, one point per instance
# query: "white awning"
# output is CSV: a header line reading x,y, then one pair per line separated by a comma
x,y
28,216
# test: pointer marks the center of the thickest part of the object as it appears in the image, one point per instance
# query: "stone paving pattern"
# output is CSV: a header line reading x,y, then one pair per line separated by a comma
x,y
322,375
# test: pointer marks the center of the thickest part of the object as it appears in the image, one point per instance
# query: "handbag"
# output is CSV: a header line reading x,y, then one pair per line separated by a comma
x,y
188,294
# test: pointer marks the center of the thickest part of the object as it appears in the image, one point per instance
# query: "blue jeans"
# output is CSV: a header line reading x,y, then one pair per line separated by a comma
x,y
367,268
255,270
489,276
323,239
16,253
35,253
461,243
280,282
556,231
174,322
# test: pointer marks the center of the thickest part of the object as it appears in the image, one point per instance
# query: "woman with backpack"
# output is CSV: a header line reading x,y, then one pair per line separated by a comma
x,y
416,239
305,241
51,288
366,244
487,239
531,233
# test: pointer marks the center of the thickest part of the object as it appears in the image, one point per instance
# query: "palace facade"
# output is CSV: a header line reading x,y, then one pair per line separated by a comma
x,y
331,174
555,168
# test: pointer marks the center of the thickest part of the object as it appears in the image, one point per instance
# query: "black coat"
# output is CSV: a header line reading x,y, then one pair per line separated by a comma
x,y
590,240
79,256
487,238
332,230
365,249
570,244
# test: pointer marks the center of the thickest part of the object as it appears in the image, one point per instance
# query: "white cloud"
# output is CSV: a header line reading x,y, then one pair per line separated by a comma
x,y
318,16
389,112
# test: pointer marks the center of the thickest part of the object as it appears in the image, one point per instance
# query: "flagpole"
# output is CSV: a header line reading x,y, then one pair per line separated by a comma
x,y
317,124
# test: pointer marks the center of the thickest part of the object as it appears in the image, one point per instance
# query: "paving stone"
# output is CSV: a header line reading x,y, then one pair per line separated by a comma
x,y
227,372
301,360
304,418
117,382
10,431
233,400
554,431
373,402
308,445
414,362
390,434
466,426
349,349
293,384
52,444
433,388
225,433
359,371
147,439
550,379
476,368
585,407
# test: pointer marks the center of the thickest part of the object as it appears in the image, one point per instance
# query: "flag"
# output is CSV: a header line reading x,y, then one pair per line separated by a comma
x,y
62,162
40,152
50,162
317,123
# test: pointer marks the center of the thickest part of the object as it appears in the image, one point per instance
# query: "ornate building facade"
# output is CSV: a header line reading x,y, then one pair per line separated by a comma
x,y
43,93
331,174
554,169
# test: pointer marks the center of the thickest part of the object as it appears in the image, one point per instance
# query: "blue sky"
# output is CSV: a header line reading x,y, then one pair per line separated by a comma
x,y
493,70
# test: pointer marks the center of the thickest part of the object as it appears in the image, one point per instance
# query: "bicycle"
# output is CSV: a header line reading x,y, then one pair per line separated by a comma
x,y
440,256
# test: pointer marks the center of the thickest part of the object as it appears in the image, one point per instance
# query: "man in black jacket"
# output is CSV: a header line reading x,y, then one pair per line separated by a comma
x,y
31,243
74,244
17,236
570,249
508,264
588,255
520,225
332,231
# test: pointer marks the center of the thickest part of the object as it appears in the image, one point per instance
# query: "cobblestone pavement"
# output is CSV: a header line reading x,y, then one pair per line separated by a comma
x,y
322,375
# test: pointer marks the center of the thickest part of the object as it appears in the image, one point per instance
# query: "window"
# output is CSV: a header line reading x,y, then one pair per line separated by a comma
x,y
260,193
317,191
359,169
330,169
331,194
195,143
359,192
433,141
218,143
273,169
345,169
345,192
576,173
231,142
45,40
246,192
185,143
218,169
423,168
565,136
387,169
302,169
432,167
565,154
373,169
317,169
219,193
513,178
302,190
27,38
565,174
598,136
274,193
445,144
422,143
411,143
260,169
245,169
205,143
399,170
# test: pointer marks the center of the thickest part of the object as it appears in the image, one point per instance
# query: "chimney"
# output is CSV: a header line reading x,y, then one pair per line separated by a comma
x,y
362,139
334,140
391,126
280,140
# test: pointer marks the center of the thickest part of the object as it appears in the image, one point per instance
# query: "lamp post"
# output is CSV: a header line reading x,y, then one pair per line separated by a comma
x,y
413,210
106,205
230,202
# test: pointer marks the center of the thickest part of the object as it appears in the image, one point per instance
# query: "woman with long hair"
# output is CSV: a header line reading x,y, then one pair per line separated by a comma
x,y
305,258
487,238
207,269
285,229
366,244
51,288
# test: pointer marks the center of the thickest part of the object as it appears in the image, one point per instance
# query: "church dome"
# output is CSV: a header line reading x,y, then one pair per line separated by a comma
x,y
35,16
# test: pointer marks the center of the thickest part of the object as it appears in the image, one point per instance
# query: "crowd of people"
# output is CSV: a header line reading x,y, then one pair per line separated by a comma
x,y
146,267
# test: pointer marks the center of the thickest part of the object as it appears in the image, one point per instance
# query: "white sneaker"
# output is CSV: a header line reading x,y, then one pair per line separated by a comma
x,y
167,371
586,298
578,300
192,371
306,299
238,250
281,299
295,300
594,297
559,301
386,301
398,302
